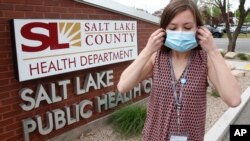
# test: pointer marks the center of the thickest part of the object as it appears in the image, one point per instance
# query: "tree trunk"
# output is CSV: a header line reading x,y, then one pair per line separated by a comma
x,y
232,42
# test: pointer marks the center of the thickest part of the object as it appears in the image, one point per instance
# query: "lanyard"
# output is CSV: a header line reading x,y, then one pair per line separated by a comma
x,y
177,99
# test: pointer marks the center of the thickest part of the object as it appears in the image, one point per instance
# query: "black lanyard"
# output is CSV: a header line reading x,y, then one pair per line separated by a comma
x,y
178,100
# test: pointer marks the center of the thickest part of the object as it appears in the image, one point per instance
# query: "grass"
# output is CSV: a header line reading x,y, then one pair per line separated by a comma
x,y
129,121
215,93
243,56
241,35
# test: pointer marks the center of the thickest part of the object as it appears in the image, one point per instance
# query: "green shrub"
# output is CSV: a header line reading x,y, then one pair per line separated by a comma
x,y
223,53
244,57
215,93
241,54
129,121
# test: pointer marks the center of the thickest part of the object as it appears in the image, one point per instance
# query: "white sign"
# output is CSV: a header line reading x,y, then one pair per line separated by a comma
x,y
50,47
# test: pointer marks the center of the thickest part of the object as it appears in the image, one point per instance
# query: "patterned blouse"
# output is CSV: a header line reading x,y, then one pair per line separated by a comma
x,y
161,121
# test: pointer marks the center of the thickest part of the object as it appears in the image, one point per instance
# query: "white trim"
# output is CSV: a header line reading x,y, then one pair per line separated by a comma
x,y
122,9
220,128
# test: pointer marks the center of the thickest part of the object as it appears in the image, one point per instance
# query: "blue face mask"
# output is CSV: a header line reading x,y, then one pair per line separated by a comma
x,y
180,41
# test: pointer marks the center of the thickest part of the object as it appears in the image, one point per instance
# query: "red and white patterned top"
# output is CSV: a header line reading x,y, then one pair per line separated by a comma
x,y
161,119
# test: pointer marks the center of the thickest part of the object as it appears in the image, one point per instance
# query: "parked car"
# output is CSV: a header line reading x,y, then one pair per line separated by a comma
x,y
243,29
215,32
221,27
248,29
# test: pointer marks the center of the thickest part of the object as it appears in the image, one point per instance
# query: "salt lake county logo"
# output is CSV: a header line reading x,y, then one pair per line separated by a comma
x,y
71,33
50,47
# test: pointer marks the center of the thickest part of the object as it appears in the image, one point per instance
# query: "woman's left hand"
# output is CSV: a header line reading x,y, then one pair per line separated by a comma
x,y
206,39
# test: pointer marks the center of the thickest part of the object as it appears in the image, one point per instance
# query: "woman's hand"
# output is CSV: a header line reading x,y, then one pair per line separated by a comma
x,y
206,39
155,41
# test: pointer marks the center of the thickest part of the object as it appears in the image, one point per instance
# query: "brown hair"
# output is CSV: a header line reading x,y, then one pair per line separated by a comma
x,y
175,7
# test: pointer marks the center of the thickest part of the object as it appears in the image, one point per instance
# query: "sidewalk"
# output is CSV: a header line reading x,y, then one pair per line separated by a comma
x,y
233,116
243,119
240,65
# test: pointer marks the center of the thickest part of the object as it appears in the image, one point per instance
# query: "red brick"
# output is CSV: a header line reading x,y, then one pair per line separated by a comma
x,y
4,82
60,10
11,114
11,67
68,3
13,14
6,122
101,11
51,15
51,2
81,16
4,95
94,17
88,11
4,109
4,68
67,16
19,131
4,21
24,8
3,35
75,10
42,9
23,116
4,42
34,15
15,138
4,75
14,81
10,101
105,17
13,126
14,1
35,2
5,6
7,135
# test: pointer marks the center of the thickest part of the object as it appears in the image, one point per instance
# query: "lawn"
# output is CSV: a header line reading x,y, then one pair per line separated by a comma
x,y
241,35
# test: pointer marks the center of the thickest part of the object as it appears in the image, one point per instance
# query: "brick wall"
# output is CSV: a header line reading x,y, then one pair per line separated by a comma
x,y
10,112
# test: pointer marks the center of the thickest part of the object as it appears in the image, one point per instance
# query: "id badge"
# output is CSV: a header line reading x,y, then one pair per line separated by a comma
x,y
178,138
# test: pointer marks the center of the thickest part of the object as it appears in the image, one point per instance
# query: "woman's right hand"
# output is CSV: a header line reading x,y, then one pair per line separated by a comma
x,y
155,41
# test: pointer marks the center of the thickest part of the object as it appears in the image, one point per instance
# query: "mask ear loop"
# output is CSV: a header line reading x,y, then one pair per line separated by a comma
x,y
165,36
196,36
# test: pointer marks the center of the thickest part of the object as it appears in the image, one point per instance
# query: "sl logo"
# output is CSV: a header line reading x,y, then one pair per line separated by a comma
x,y
72,30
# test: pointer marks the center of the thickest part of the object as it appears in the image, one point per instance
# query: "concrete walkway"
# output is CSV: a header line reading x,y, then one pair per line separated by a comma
x,y
242,119
237,115
240,65
233,116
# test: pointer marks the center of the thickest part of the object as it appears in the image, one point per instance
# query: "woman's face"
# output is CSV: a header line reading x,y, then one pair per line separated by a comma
x,y
184,21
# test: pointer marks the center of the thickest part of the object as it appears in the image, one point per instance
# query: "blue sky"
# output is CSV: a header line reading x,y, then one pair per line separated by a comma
x,y
153,5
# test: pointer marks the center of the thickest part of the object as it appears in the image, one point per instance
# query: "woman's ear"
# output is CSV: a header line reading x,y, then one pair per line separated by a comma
x,y
196,36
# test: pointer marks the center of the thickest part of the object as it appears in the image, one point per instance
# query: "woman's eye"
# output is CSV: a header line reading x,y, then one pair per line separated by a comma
x,y
188,28
172,28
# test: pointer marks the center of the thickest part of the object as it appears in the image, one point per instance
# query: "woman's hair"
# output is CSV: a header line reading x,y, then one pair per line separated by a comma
x,y
175,7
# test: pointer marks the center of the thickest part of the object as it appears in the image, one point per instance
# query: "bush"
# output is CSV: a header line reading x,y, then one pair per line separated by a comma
x,y
243,56
223,53
215,93
129,121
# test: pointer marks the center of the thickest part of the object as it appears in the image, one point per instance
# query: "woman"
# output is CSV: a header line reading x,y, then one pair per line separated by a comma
x,y
180,56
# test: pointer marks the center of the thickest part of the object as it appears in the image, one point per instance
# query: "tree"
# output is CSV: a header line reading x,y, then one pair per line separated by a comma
x,y
247,19
221,4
